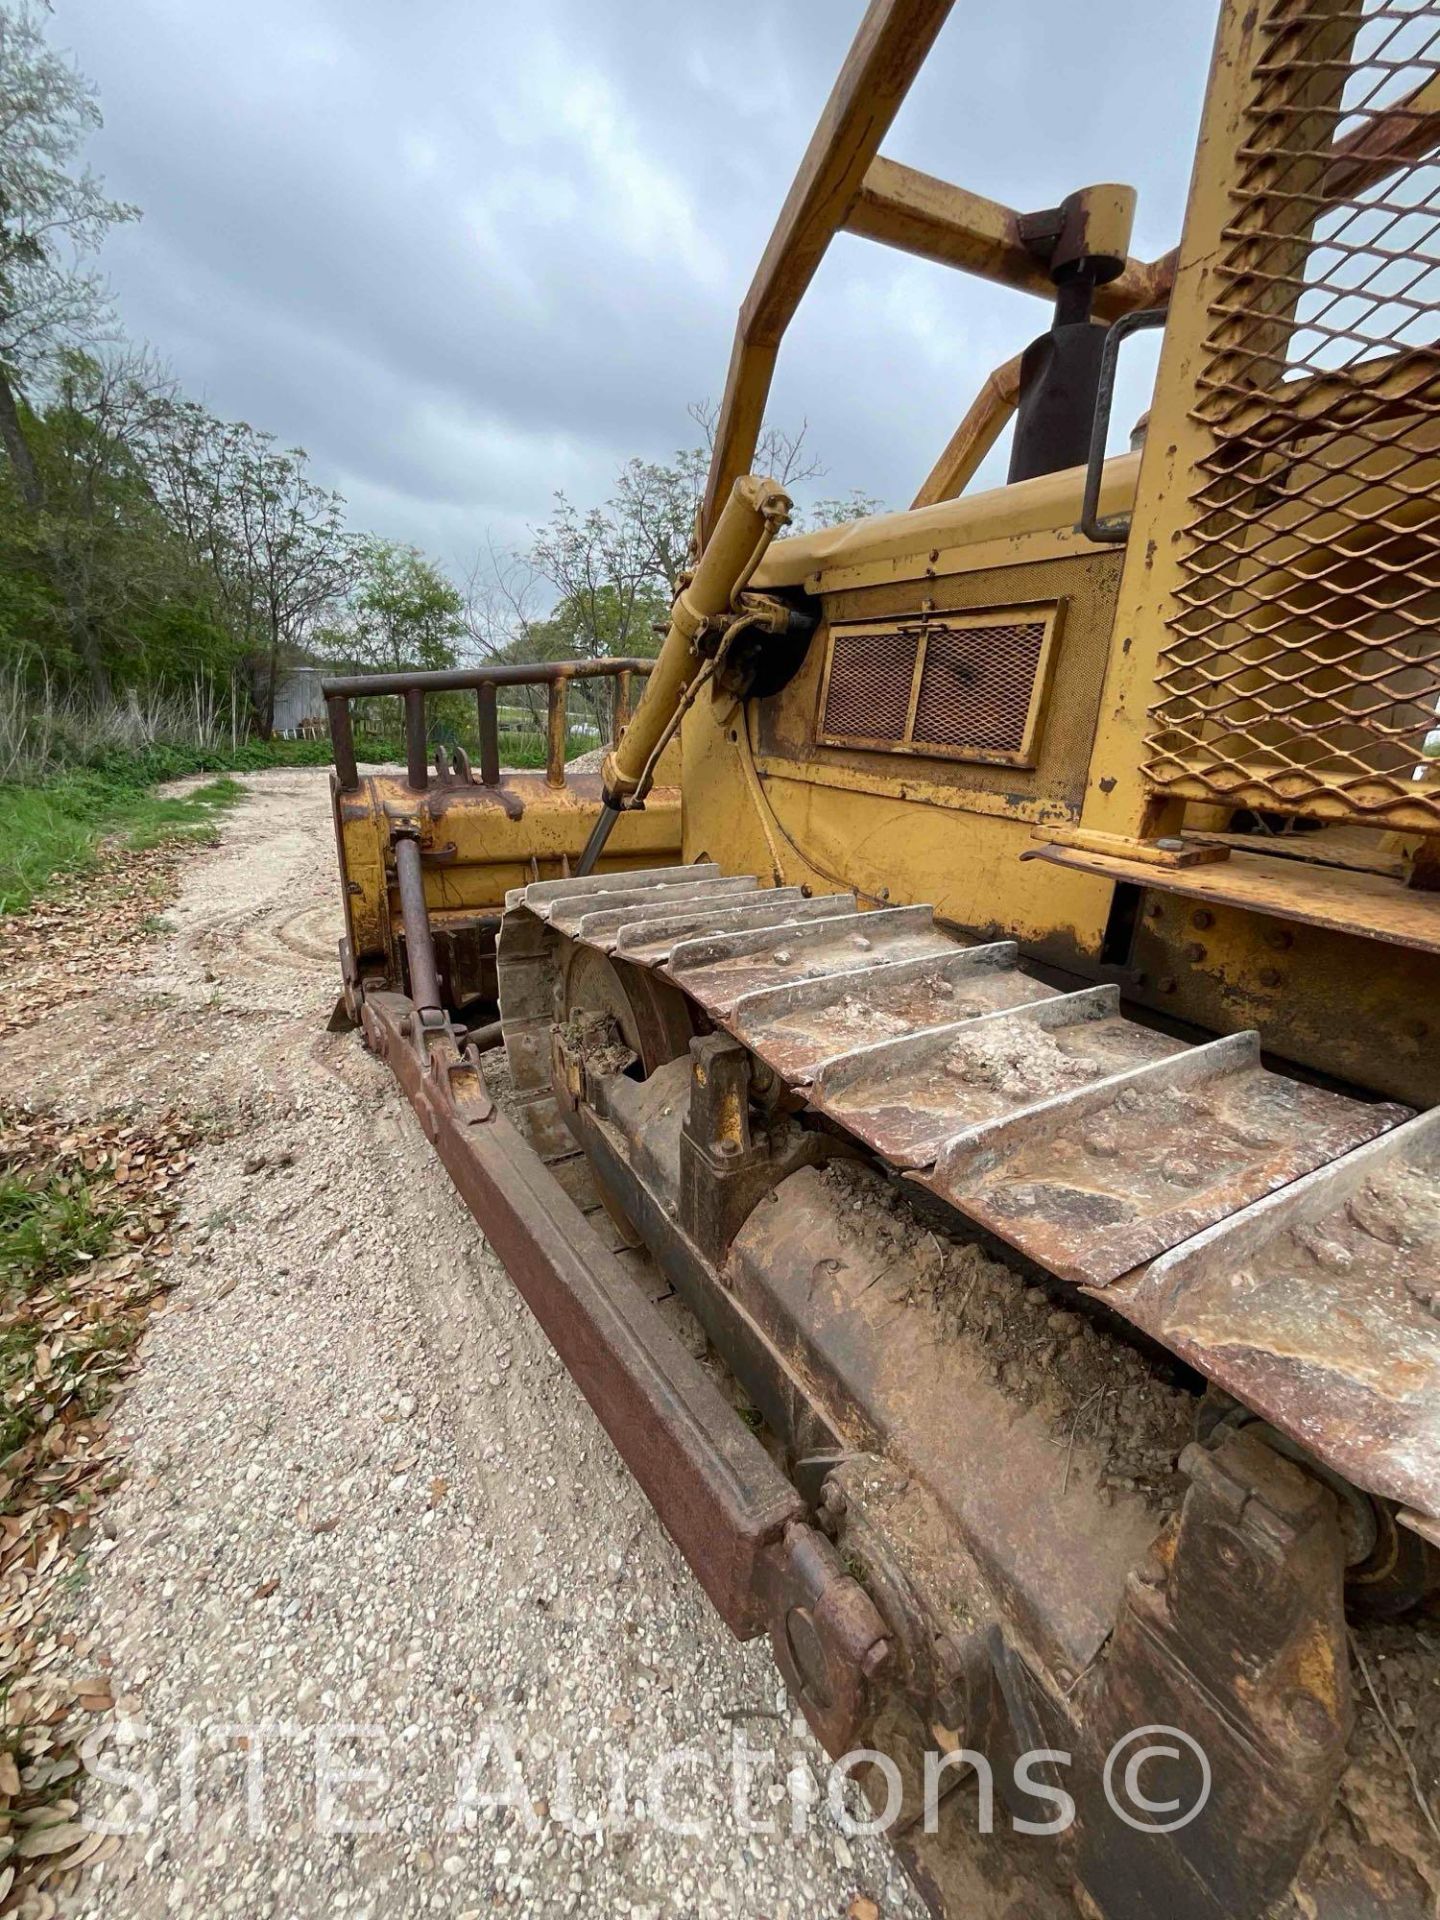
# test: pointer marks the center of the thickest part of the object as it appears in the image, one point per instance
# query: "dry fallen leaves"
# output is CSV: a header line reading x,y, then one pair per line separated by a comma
x,y
86,927
69,1327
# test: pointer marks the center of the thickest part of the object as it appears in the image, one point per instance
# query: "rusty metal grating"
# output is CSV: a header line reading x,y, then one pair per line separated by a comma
x,y
976,685
868,695
1302,668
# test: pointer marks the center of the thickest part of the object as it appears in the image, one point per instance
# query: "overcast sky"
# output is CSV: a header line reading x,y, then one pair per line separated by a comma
x,y
466,253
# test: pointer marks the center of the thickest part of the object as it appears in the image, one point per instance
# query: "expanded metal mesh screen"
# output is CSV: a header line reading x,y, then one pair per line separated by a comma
x,y
869,690
976,684
962,687
1302,667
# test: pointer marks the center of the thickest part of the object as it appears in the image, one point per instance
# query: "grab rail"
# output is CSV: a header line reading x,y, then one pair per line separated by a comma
x,y
554,675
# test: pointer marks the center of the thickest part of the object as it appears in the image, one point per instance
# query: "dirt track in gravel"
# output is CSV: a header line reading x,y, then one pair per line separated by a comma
x,y
363,1494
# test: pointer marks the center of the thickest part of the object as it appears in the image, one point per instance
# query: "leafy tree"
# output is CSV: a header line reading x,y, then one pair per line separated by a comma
x,y
855,505
289,556
52,219
102,564
270,543
605,569
105,537
401,613
616,568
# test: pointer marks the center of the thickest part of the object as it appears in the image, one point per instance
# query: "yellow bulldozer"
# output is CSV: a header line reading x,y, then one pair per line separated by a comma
x,y
993,983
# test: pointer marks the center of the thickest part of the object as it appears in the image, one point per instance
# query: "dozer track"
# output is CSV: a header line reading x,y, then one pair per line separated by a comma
x,y
1281,1238
972,1566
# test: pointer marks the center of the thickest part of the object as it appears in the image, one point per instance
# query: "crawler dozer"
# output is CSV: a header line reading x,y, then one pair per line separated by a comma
x,y
992,986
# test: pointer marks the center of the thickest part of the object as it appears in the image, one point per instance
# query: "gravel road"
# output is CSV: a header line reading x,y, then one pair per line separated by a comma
x,y
392,1632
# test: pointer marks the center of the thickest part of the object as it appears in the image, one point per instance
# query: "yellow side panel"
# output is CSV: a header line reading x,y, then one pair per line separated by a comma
x,y
893,851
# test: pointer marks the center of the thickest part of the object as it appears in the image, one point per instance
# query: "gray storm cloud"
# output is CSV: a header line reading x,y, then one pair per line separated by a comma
x,y
468,253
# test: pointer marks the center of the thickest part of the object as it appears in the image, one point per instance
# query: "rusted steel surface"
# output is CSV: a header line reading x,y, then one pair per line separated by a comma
x,y
1054,1550
718,971
1234,1633
1091,1143
907,1098
901,207
417,761
1055,1553
593,915
1322,1305
1342,899
828,1639
651,941
342,742
1098,1180
487,722
794,1028
555,733
1041,1572
419,942
554,675
1404,130
357,686
543,895
720,1496
730,1510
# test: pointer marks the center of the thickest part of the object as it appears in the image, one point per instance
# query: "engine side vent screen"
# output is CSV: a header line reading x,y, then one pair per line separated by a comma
x,y
976,685
967,686
870,684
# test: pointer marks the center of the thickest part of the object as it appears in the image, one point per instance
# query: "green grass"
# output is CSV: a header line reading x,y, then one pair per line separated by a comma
x,y
56,828
189,819
47,1228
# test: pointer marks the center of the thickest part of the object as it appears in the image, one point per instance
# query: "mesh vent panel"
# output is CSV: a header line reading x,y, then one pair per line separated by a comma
x,y
869,693
976,684
1302,668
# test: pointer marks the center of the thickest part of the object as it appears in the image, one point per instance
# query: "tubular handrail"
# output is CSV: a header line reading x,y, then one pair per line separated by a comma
x,y
357,686
554,675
